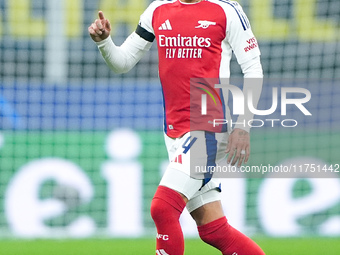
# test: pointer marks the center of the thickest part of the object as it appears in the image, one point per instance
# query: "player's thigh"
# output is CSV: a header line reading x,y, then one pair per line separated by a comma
x,y
196,148
197,152
208,213
181,182
206,205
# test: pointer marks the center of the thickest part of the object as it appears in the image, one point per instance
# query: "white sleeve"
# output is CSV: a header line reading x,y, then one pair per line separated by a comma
x,y
239,34
252,68
122,59
245,47
253,81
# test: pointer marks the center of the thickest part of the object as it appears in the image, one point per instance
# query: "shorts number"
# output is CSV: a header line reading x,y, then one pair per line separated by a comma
x,y
188,143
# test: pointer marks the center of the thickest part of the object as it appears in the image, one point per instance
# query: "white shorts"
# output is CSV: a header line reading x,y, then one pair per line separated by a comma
x,y
195,150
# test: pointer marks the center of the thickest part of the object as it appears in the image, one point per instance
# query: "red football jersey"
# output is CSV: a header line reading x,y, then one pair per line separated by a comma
x,y
196,41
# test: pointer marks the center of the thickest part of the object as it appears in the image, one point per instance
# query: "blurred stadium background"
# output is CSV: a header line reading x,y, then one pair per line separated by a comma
x,y
81,149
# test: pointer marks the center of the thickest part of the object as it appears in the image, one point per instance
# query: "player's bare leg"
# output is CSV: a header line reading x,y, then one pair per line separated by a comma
x,y
208,213
214,229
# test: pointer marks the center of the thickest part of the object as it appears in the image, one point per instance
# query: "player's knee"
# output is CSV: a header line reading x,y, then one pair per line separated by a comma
x,y
167,205
227,239
207,239
213,239
218,233
157,209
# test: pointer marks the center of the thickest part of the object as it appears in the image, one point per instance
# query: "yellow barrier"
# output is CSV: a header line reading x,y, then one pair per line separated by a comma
x,y
304,24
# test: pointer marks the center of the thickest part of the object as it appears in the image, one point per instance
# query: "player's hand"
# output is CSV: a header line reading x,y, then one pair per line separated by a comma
x,y
100,29
238,147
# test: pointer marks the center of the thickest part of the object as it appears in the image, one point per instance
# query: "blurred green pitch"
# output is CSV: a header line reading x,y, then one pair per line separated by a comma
x,y
298,246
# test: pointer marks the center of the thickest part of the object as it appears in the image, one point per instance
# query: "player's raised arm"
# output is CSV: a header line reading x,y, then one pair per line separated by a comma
x,y
100,29
120,59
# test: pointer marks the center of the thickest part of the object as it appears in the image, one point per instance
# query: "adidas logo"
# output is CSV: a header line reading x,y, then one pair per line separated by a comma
x,y
165,26
161,252
178,159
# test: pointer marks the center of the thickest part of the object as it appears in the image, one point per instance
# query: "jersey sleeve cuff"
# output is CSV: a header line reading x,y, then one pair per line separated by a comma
x,y
104,42
243,127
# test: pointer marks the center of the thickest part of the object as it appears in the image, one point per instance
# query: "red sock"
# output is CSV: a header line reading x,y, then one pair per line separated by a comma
x,y
166,208
227,239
